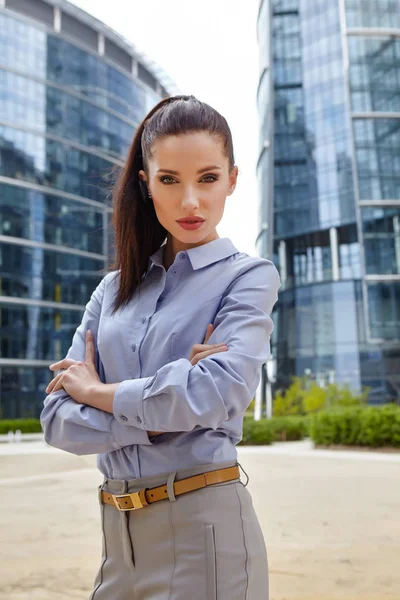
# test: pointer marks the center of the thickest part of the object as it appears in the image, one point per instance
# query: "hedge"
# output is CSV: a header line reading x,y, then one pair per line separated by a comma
x,y
374,426
257,432
289,429
24,425
354,426
266,431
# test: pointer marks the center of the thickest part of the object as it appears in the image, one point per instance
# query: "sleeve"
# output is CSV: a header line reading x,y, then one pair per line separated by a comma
x,y
219,388
78,428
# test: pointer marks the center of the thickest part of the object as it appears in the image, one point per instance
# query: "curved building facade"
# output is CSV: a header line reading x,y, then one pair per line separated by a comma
x,y
72,93
329,178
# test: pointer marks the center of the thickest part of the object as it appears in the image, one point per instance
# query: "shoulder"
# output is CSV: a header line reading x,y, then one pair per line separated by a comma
x,y
110,278
257,267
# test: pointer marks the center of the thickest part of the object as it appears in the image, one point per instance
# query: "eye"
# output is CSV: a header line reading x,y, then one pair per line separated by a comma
x,y
168,180
214,178
163,178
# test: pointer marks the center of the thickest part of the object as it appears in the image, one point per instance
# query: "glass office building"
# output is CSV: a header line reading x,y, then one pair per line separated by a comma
x,y
72,93
329,181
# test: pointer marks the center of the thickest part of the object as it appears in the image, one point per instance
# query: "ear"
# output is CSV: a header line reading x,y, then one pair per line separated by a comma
x,y
142,175
233,175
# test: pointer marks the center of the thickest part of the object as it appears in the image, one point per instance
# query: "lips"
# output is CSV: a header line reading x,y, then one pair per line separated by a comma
x,y
194,220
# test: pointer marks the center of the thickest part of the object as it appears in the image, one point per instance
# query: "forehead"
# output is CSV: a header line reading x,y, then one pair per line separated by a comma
x,y
193,147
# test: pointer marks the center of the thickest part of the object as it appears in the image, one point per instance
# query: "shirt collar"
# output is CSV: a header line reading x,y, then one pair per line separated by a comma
x,y
201,256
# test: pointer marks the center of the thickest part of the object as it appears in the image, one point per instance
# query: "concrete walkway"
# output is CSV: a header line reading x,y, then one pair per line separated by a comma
x,y
330,521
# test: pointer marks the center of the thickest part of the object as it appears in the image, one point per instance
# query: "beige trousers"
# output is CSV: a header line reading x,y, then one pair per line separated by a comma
x,y
203,545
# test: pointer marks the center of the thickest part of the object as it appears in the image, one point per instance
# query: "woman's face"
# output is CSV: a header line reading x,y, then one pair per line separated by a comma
x,y
187,192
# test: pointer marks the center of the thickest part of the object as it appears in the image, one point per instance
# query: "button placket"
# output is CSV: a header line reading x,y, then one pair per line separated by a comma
x,y
174,278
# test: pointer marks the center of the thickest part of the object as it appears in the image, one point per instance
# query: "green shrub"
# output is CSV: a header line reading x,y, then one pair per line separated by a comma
x,y
315,399
380,426
373,426
291,401
289,428
304,396
342,396
256,432
24,425
266,431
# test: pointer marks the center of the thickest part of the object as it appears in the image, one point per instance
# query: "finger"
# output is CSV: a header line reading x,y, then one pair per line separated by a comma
x,y
89,351
201,347
56,387
212,350
63,364
201,355
53,383
210,328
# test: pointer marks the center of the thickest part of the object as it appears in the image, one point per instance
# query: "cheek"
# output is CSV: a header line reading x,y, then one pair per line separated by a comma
x,y
163,208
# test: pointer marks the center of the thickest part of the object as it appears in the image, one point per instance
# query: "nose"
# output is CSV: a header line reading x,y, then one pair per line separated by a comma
x,y
190,199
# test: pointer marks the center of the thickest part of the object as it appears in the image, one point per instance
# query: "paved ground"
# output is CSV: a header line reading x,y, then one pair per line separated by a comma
x,y
331,521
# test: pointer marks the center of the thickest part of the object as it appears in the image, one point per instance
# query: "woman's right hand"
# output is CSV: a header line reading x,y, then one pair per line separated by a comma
x,y
198,352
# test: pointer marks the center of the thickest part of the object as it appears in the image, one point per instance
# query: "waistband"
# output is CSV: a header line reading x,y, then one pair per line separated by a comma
x,y
133,485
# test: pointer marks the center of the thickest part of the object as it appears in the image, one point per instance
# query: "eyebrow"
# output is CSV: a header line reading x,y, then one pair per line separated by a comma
x,y
198,172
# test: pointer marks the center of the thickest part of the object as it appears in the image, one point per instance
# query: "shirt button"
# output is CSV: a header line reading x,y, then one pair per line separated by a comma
x,y
133,347
174,272
143,319
123,418
138,419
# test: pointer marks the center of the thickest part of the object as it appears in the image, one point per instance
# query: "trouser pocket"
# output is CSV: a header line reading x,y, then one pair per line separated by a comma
x,y
211,562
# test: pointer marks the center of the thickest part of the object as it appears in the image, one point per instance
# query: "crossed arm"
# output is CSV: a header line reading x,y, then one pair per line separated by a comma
x,y
180,396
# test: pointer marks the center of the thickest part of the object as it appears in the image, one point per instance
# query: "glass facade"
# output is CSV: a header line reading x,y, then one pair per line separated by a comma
x,y
67,118
331,209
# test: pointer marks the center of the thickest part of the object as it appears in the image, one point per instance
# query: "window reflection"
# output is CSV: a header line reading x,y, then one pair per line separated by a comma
x,y
374,73
36,332
23,388
31,157
24,47
30,104
30,214
378,158
381,227
384,310
372,13
42,274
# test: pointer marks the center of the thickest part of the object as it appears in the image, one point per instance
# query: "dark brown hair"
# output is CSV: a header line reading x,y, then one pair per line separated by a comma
x,y
137,231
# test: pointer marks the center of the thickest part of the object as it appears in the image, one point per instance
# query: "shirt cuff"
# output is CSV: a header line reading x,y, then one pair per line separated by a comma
x,y
128,402
127,436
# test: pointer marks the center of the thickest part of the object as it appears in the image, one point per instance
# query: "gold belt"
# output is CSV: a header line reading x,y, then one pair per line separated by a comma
x,y
146,496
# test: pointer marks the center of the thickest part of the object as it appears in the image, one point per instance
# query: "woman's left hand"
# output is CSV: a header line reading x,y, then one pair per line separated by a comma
x,y
78,379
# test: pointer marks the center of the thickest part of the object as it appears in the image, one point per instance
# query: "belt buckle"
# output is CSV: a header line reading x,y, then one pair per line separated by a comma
x,y
124,502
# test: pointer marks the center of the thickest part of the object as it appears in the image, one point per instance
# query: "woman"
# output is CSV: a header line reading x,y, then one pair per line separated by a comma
x,y
163,411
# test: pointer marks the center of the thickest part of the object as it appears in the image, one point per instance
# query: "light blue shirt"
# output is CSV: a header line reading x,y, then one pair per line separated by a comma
x,y
146,345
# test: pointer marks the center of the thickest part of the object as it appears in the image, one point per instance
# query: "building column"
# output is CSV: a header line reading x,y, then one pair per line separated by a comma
x,y
396,229
282,262
333,236
100,44
57,19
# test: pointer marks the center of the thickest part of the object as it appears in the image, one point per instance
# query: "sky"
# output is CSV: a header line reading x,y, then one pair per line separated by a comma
x,y
209,49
